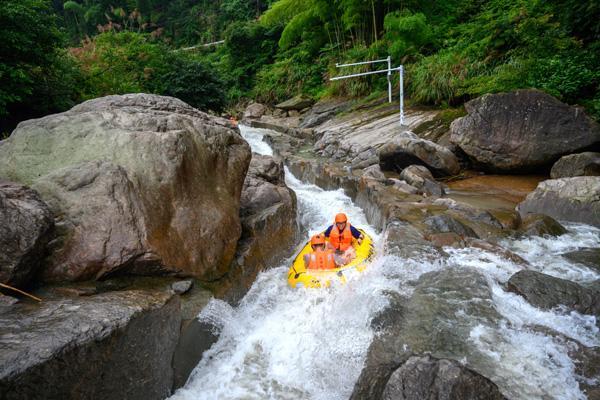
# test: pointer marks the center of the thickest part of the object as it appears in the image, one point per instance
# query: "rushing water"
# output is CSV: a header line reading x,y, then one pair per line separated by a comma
x,y
283,343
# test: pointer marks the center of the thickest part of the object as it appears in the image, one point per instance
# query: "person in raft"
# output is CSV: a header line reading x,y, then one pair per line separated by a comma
x,y
340,236
321,257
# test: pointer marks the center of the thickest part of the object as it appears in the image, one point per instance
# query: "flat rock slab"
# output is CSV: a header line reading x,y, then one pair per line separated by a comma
x,y
112,345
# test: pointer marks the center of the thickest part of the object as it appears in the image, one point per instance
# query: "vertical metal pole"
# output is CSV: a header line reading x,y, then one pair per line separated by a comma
x,y
401,72
389,76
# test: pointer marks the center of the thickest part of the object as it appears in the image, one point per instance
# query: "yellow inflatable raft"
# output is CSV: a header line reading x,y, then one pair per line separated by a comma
x,y
299,276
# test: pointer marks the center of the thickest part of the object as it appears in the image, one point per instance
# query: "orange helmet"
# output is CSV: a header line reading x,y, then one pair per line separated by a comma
x,y
340,218
317,239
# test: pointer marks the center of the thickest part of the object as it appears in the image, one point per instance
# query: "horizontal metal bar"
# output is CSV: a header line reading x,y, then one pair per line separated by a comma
x,y
360,63
364,73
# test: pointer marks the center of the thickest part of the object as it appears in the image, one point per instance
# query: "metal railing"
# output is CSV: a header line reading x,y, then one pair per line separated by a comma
x,y
389,71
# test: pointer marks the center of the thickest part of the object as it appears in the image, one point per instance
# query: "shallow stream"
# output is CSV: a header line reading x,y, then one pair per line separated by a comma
x,y
283,343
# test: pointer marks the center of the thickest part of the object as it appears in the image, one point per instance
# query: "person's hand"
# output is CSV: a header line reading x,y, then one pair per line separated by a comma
x,y
360,239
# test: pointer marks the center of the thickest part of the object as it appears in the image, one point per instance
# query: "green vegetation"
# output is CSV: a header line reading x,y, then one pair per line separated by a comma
x,y
55,53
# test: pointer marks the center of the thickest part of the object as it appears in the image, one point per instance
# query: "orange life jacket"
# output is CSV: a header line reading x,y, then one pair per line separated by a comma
x,y
321,260
341,241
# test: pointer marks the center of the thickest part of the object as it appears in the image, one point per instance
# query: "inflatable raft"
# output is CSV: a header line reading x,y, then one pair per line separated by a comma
x,y
299,276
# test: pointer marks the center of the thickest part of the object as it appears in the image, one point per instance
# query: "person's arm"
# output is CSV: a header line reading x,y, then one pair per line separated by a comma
x,y
328,231
356,234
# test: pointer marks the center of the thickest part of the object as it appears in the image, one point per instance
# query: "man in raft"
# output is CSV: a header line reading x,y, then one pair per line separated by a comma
x,y
340,236
321,257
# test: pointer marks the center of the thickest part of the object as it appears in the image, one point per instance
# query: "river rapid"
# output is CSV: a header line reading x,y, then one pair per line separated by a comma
x,y
283,343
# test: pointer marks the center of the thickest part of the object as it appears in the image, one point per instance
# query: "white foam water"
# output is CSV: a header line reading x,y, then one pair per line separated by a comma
x,y
283,343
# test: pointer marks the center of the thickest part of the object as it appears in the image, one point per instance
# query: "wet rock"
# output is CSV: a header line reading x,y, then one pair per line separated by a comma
x,y
496,249
447,239
296,103
405,151
182,287
469,212
522,130
269,227
582,164
355,137
420,177
546,292
404,328
541,225
373,172
588,257
25,229
445,223
321,112
7,301
404,240
255,111
195,336
509,219
403,186
111,346
571,199
425,377
177,172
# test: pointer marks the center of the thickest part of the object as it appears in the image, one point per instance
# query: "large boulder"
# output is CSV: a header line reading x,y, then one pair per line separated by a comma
x,y
572,199
522,130
409,149
269,227
25,229
107,346
299,102
582,164
255,111
420,177
428,378
546,292
541,225
138,183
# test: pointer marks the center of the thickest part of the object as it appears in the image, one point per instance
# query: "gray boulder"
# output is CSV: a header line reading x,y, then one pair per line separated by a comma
x,y
589,257
420,177
445,223
255,111
405,151
428,378
541,225
170,174
522,130
546,292
269,226
571,199
299,102
108,346
582,164
25,229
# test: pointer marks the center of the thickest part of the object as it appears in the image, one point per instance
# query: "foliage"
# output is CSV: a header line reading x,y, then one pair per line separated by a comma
x,y
129,62
36,77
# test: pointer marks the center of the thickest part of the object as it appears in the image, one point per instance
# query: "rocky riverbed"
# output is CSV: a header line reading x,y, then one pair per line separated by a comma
x,y
107,207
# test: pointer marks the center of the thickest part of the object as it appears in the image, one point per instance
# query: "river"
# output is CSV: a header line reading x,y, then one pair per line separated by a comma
x,y
283,343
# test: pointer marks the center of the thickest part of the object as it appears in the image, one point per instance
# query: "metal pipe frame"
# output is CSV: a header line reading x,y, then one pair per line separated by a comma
x,y
361,63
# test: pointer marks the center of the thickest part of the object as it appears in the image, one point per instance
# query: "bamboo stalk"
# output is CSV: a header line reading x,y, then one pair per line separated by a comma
x,y
20,291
